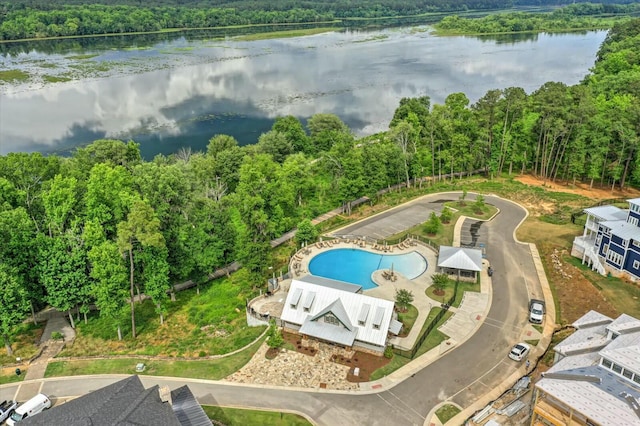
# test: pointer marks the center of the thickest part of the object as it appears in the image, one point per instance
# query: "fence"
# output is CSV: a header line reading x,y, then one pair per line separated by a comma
x,y
611,201
428,329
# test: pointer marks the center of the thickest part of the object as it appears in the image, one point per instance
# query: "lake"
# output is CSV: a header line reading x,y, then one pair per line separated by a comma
x,y
179,92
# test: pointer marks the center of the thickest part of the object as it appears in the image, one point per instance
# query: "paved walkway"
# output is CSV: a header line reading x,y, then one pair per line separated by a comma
x,y
56,322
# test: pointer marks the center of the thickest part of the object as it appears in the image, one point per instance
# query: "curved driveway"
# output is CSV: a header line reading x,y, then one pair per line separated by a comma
x,y
464,374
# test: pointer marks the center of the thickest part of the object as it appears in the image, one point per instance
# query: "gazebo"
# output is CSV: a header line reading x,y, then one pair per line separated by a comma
x,y
464,263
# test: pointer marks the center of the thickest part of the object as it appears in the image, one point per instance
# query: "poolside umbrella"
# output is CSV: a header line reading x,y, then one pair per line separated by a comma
x,y
391,268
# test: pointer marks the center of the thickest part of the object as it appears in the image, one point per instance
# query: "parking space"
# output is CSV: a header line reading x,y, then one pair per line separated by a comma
x,y
394,221
472,234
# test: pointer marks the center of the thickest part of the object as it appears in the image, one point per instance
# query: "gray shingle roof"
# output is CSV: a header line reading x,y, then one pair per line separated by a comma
x,y
123,403
328,282
187,409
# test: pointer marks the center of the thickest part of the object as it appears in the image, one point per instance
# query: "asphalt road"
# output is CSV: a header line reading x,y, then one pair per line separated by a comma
x,y
463,375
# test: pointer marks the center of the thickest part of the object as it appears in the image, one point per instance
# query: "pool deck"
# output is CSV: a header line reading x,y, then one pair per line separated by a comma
x,y
386,288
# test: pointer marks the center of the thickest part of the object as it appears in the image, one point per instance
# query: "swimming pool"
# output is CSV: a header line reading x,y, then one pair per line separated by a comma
x,y
356,266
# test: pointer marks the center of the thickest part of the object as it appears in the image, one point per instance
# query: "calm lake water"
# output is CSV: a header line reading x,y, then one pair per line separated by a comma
x,y
181,92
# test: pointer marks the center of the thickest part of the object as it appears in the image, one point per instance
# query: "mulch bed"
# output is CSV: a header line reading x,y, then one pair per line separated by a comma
x,y
367,363
296,341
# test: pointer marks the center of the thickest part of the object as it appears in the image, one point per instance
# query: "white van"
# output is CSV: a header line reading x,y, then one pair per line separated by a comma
x,y
30,408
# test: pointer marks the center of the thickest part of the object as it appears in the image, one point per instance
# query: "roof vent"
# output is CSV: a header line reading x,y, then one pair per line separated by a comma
x,y
165,394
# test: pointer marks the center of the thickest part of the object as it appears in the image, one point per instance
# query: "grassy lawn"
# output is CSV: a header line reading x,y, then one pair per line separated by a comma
x,y
214,369
396,362
23,343
408,319
470,209
237,416
448,291
447,412
436,336
8,375
623,295
211,323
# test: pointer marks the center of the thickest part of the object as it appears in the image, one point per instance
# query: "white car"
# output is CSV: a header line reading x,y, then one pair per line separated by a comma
x,y
519,351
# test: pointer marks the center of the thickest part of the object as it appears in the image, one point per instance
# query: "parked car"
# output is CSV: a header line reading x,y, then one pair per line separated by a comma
x,y
30,408
6,409
536,311
519,351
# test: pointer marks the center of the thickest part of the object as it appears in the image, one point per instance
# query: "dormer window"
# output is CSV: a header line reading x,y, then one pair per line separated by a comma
x,y
331,319
295,299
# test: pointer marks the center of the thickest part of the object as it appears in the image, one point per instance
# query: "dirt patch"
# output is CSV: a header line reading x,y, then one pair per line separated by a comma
x,y
595,193
576,295
365,363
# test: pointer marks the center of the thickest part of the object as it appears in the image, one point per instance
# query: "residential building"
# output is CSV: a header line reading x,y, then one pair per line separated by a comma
x,y
610,242
126,402
595,378
344,318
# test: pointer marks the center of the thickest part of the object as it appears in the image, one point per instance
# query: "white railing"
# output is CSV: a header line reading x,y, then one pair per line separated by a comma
x,y
595,260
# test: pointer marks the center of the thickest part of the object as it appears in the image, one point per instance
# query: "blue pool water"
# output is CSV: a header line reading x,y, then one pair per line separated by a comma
x,y
356,266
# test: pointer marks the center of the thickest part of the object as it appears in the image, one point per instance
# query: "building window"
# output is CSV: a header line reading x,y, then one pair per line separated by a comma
x,y
633,221
617,368
607,231
606,363
614,257
331,319
636,264
636,244
605,249
627,373
636,378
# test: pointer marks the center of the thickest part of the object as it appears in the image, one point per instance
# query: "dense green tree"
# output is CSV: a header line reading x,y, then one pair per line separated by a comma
x,y
275,144
403,299
293,130
63,271
433,225
13,303
306,233
140,230
110,281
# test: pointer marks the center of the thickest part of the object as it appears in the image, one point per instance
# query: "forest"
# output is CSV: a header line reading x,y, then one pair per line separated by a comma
x,y
572,17
103,225
40,19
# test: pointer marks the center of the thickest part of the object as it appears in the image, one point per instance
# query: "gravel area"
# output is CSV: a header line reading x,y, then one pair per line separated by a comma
x,y
291,368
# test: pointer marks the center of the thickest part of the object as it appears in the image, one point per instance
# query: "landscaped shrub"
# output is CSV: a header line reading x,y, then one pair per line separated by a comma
x,y
388,352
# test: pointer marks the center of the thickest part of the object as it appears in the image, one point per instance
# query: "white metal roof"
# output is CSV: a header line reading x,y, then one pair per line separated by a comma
x,y
591,318
624,350
634,201
592,399
603,402
623,229
624,323
594,338
467,259
349,307
607,212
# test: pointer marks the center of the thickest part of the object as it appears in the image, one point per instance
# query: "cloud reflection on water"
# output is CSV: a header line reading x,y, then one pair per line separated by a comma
x,y
360,82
